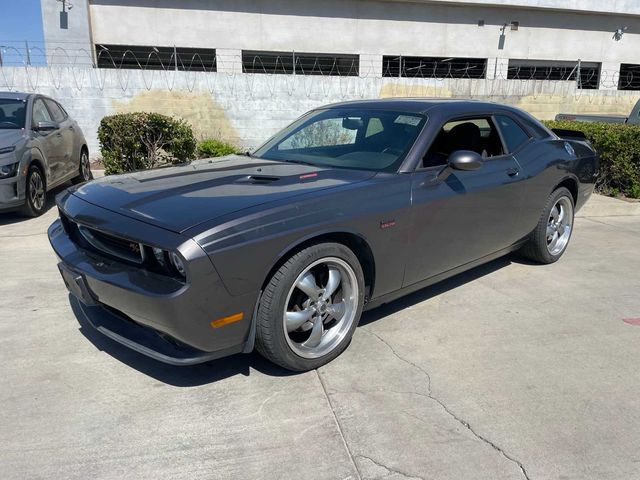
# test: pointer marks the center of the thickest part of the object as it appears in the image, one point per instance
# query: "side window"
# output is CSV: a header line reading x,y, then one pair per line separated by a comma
x,y
476,134
513,135
40,112
56,111
324,133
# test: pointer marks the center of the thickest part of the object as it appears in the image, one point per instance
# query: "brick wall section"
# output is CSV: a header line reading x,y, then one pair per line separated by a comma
x,y
247,109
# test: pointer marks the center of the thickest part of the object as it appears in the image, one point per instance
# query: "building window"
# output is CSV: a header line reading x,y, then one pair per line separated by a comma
x,y
300,63
629,77
139,57
433,67
589,77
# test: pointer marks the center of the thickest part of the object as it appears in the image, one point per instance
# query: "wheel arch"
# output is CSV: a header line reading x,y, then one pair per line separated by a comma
x,y
37,161
571,184
354,241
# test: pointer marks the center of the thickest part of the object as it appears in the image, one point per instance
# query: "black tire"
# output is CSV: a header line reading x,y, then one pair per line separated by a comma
x,y
35,204
536,248
84,170
271,338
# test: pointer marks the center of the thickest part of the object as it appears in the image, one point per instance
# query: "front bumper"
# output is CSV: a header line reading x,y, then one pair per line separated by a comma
x,y
146,341
11,193
155,315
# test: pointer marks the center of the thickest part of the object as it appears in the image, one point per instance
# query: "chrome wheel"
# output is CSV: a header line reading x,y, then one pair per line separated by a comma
x,y
321,307
85,167
559,225
36,190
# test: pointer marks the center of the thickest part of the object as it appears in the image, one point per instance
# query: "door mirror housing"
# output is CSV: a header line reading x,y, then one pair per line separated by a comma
x,y
465,160
46,126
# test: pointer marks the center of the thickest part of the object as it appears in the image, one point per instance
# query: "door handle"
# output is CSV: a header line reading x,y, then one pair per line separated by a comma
x,y
512,172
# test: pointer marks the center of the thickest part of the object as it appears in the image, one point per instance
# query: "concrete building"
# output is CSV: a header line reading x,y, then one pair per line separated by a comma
x,y
240,70
592,42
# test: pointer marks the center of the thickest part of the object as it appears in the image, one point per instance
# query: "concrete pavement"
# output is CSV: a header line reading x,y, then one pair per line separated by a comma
x,y
509,371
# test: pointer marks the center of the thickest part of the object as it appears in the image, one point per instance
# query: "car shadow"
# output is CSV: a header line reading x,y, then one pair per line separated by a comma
x,y
189,376
436,289
243,364
11,217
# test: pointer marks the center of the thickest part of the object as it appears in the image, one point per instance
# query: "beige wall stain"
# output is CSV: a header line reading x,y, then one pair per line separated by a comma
x,y
543,106
390,90
546,107
207,118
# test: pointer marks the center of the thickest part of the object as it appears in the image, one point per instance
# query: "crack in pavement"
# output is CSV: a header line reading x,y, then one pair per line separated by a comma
x,y
388,469
335,419
458,419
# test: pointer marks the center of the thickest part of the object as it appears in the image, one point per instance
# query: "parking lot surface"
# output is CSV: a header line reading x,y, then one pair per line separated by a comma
x,y
509,371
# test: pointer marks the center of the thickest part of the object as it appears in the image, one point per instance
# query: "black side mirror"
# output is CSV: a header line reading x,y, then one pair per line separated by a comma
x,y
46,126
465,160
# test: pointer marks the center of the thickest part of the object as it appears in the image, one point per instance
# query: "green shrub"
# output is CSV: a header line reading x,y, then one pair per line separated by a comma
x,y
140,140
619,148
215,148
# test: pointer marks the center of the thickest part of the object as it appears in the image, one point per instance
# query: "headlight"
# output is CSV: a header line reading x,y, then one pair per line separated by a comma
x,y
7,171
178,264
169,262
161,256
7,149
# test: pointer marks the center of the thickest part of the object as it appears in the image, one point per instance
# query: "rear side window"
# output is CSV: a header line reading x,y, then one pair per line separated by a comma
x,y
56,112
40,112
514,136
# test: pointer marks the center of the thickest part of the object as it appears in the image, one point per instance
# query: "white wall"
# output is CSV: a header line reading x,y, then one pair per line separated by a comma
x,y
371,27
248,108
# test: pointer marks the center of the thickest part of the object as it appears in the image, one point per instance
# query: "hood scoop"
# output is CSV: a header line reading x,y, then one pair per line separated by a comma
x,y
258,179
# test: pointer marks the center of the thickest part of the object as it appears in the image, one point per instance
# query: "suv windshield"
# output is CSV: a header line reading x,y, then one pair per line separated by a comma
x,y
347,138
12,113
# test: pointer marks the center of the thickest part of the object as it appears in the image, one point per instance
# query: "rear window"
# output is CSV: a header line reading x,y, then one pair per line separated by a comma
x,y
56,111
12,113
514,136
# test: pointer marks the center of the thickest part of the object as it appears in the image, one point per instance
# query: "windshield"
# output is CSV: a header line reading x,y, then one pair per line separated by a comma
x,y
12,113
347,138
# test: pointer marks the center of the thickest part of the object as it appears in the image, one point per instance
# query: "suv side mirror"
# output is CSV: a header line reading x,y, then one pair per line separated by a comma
x,y
46,126
465,160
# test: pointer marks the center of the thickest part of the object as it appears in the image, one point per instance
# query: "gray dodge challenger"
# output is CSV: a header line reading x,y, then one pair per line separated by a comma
x,y
351,206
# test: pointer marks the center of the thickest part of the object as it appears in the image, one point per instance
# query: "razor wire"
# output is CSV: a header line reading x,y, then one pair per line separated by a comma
x,y
312,76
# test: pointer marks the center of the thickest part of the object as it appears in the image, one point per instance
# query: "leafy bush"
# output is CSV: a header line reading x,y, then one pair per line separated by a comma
x,y
215,148
619,148
140,140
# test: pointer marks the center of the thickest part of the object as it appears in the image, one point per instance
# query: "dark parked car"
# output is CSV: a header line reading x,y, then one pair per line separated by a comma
x,y
41,147
351,206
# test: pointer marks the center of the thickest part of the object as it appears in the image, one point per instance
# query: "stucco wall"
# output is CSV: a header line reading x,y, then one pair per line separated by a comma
x,y
247,109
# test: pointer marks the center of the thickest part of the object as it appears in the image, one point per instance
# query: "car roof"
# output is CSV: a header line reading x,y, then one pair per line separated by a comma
x,y
422,105
15,95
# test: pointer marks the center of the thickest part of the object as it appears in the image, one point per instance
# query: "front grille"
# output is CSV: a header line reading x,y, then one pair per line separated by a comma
x,y
114,246
103,243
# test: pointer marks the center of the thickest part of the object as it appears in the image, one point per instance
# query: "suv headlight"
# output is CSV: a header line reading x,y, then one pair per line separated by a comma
x,y
7,171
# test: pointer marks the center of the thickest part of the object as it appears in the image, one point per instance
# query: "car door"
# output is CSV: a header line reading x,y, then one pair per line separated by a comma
x,y
49,141
460,216
70,159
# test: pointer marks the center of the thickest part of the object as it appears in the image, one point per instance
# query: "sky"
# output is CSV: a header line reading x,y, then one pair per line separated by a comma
x,y
20,20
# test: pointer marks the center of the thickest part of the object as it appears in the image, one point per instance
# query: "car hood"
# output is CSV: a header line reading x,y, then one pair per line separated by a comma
x,y
10,136
178,198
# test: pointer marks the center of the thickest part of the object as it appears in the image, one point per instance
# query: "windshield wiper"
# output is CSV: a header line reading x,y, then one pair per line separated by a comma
x,y
301,162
